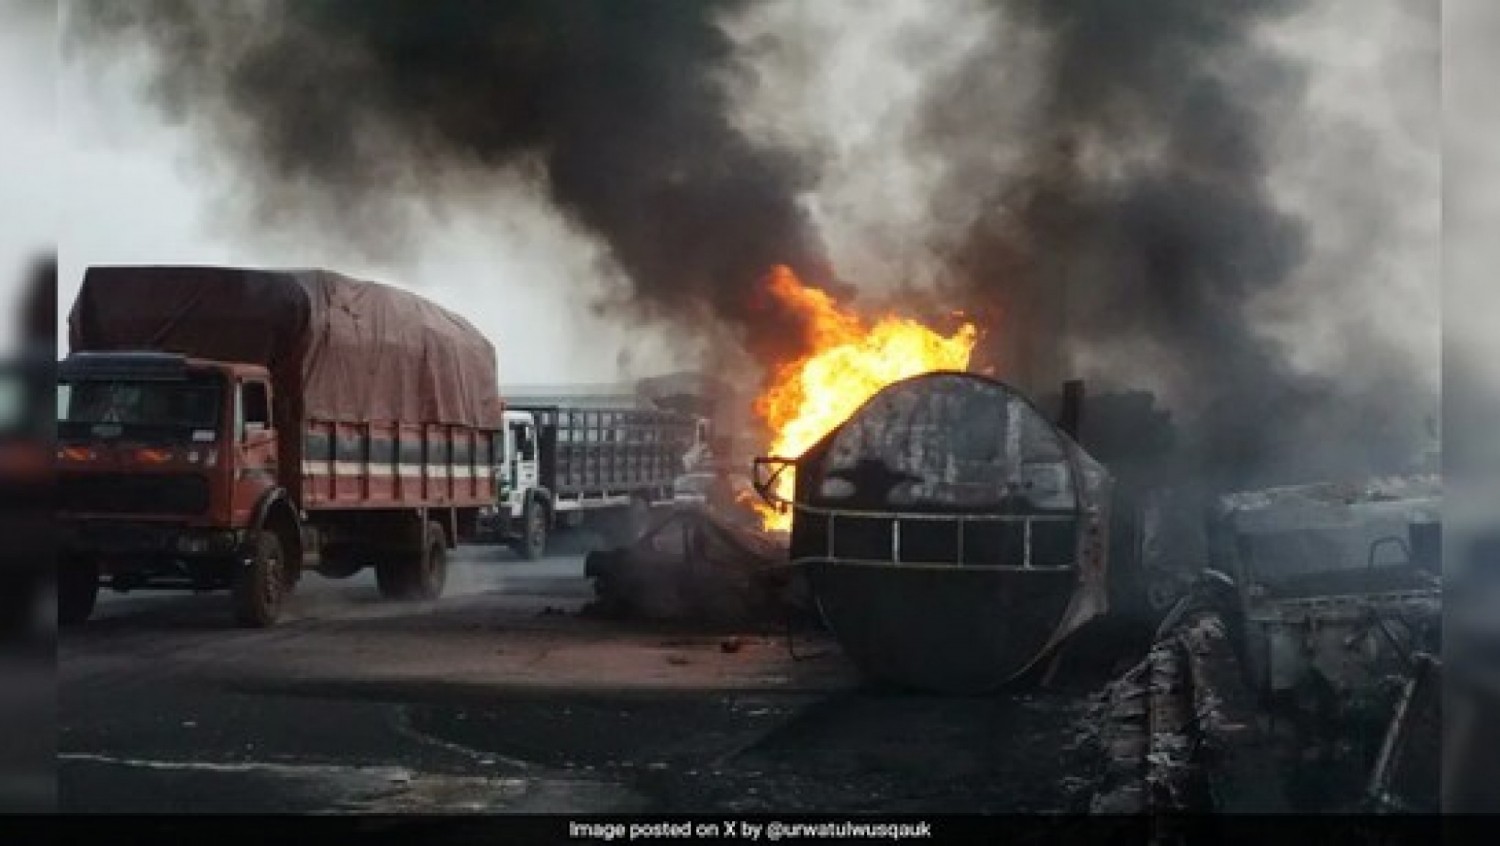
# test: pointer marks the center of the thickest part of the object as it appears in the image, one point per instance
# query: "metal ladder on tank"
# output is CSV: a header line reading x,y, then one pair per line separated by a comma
x,y
960,520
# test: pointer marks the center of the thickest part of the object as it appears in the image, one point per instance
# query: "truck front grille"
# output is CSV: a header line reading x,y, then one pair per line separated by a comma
x,y
184,494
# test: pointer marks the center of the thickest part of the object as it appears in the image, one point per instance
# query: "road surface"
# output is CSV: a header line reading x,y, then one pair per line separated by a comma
x,y
500,697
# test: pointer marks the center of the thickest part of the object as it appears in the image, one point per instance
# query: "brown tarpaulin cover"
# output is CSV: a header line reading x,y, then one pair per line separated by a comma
x,y
338,349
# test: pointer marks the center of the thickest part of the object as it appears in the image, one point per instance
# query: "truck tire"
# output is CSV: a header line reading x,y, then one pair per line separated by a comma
x,y
262,586
533,542
432,570
77,590
420,576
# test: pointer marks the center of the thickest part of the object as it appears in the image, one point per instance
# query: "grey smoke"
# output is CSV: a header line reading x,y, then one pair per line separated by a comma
x,y
351,109
1138,228
1106,198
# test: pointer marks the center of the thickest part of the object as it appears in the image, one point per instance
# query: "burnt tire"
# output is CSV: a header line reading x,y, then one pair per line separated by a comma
x,y
261,587
533,542
416,577
77,590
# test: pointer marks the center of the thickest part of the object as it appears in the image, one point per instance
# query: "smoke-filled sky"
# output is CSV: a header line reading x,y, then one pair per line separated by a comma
x,y
1471,199
28,206
1228,204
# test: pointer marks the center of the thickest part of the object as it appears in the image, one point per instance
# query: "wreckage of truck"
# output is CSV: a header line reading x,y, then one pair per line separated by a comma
x,y
1309,649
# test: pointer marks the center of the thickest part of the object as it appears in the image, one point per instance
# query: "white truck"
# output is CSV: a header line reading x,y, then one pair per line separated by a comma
x,y
558,466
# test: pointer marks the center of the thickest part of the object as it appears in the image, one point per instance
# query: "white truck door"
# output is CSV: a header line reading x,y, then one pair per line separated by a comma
x,y
508,475
526,462
520,465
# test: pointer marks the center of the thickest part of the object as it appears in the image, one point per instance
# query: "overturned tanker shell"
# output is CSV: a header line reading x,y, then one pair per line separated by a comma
x,y
952,536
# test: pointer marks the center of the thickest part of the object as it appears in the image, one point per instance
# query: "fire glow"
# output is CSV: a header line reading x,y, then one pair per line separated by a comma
x,y
850,362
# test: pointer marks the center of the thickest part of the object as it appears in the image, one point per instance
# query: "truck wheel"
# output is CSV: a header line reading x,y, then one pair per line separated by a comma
x,y
432,568
533,543
77,590
262,586
410,577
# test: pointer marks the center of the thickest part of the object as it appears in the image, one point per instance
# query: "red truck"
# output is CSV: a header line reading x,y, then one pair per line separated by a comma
x,y
235,428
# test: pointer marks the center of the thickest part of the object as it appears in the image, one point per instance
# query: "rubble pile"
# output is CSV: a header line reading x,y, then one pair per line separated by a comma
x,y
1146,749
1185,731
1162,725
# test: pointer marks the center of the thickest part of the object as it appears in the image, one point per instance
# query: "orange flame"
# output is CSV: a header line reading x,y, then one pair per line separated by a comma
x,y
849,363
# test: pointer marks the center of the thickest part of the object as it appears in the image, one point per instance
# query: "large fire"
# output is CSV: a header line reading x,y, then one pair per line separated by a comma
x,y
849,363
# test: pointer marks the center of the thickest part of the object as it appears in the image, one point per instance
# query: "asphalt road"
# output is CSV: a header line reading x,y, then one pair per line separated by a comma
x,y
501,698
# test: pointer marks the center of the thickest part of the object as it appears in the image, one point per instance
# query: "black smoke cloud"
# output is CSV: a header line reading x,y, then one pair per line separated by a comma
x,y
1137,230
618,107
1140,226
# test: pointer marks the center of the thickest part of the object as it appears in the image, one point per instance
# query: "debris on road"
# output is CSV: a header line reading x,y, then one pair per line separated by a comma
x,y
1164,728
692,564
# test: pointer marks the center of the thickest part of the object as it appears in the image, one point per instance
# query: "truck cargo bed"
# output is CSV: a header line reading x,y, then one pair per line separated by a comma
x,y
381,397
603,454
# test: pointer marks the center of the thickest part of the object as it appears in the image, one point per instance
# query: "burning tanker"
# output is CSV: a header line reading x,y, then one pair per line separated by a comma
x,y
952,535
850,361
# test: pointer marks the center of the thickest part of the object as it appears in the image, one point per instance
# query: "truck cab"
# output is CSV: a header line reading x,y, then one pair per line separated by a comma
x,y
518,483
571,465
523,510
1336,581
518,472
225,426
164,466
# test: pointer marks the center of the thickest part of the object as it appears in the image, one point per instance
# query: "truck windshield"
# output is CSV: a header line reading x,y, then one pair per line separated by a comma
x,y
138,408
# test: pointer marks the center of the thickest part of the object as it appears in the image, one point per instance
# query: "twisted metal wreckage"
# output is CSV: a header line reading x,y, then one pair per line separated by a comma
x,y
953,539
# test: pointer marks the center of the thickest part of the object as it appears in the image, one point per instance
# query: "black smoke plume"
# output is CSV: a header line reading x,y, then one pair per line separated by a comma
x,y
618,106
1140,226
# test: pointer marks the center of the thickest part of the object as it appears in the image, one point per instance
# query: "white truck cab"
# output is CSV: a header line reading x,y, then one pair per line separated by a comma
x,y
518,474
566,464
